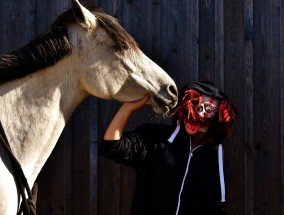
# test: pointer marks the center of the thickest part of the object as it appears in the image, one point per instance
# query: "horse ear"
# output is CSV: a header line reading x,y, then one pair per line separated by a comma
x,y
83,16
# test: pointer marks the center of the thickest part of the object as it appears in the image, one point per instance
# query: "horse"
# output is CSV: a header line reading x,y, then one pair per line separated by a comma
x,y
85,52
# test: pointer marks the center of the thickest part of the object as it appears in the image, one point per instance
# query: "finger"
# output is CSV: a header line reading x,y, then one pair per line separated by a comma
x,y
146,97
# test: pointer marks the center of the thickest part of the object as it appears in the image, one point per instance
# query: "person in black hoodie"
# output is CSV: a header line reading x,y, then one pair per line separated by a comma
x,y
180,166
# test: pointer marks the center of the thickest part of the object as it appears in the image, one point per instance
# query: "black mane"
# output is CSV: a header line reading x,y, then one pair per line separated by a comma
x,y
49,48
42,52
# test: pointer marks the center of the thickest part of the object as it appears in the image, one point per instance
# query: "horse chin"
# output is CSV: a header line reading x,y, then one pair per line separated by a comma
x,y
161,111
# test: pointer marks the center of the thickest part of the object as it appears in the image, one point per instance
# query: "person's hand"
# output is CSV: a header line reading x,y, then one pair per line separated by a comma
x,y
136,105
115,128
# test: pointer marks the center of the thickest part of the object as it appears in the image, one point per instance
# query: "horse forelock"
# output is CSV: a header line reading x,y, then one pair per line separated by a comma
x,y
123,41
41,52
121,38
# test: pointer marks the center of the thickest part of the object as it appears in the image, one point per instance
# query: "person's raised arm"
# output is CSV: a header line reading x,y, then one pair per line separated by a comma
x,y
116,127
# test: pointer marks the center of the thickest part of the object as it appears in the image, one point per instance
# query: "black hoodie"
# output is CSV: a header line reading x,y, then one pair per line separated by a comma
x,y
161,167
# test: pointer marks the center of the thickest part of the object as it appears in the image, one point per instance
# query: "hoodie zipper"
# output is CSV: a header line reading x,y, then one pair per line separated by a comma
x,y
185,174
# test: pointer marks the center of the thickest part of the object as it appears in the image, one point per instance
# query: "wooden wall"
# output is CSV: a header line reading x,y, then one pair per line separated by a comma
x,y
238,44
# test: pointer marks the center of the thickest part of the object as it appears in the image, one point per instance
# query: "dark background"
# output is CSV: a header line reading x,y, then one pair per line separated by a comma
x,y
238,44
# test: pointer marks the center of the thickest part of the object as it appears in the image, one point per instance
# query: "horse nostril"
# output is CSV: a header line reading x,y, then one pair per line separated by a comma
x,y
172,89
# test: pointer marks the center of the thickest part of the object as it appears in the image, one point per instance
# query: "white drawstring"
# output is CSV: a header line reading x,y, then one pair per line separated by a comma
x,y
221,172
174,134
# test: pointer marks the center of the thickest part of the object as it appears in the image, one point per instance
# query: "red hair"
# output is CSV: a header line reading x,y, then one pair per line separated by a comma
x,y
227,112
190,98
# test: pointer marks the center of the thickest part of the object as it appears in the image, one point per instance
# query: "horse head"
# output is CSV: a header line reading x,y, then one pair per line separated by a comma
x,y
109,62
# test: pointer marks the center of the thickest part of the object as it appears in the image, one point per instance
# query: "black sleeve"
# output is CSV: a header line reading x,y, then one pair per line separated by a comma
x,y
132,148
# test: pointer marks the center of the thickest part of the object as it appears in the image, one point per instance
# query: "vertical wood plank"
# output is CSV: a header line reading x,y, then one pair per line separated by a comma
x,y
187,53
47,11
169,37
17,24
66,142
219,44
248,107
179,39
152,42
193,56
206,40
54,192
234,88
94,141
281,33
81,159
111,7
266,131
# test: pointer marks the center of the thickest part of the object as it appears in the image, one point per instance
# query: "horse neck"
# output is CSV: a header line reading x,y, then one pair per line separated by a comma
x,y
34,111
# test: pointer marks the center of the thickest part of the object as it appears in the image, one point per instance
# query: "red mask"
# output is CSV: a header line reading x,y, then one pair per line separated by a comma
x,y
203,112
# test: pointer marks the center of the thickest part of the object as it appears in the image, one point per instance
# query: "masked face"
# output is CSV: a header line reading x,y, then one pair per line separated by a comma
x,y
205,110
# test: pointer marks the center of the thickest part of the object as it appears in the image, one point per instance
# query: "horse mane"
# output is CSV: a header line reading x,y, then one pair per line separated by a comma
x,y
41,52
49,48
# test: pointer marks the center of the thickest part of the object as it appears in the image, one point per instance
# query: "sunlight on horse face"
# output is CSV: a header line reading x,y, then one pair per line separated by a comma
x,y
110,74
